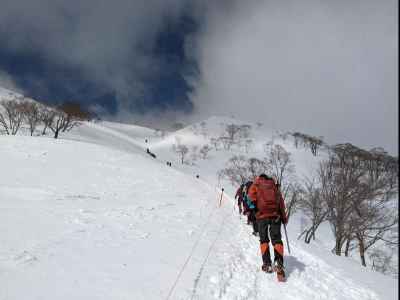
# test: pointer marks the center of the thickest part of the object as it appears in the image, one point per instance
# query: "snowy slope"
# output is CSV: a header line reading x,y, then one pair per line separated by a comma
x,y
215,127
80,221
6,94
92,216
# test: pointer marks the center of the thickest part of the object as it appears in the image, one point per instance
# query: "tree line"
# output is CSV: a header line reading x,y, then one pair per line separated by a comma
x,y
20,111
354,190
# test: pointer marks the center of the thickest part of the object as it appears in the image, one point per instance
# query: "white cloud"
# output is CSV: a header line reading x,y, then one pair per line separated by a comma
x,y
7,82
324,67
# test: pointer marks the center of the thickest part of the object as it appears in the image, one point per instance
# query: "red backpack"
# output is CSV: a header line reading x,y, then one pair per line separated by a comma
x,y
267,198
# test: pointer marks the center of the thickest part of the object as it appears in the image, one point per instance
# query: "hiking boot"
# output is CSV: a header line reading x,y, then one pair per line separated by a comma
x,y
280,273
278,267
267,268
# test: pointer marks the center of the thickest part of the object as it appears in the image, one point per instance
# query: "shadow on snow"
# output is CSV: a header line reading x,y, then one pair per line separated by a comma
x,y
292,264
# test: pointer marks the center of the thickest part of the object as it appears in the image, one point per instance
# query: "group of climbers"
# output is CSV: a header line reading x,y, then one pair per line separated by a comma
x,y
263,204
246,206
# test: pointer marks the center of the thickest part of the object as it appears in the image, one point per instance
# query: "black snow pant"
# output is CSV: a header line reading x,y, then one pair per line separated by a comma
x,y
273,228
253,221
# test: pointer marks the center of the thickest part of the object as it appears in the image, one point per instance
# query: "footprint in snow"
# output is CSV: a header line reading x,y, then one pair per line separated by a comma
x,y
25,258
138,233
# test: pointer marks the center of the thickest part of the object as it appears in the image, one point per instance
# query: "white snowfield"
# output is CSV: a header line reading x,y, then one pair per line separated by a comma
x,y
92,216
7,94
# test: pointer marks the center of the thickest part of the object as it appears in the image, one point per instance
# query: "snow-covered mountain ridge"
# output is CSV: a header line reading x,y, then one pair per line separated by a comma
x,y
93,216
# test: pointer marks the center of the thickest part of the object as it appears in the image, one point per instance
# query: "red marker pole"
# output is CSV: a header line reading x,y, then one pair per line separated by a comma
x,y
220,199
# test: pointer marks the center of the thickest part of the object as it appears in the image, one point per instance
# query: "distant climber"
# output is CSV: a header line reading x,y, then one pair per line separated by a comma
x,y
271,213
239,196
150,153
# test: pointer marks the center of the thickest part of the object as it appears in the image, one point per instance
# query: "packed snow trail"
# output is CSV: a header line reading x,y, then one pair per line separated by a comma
x,y
233,272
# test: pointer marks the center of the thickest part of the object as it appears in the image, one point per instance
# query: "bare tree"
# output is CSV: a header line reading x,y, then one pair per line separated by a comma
x,y
280,163
358,187
236,170
11,115
235,133
46,115
203,126
58,122
248,144
256,167
292,196
382,261
232,131
32,115
373,208
313,208
67,116
74,114
226,142
215,142
180,149
204,151
375,222
337,177
314,143
239,169
296,139
244,131
193,153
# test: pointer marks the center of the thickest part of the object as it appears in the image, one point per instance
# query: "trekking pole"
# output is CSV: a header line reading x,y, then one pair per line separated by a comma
x,y
287,240
220,199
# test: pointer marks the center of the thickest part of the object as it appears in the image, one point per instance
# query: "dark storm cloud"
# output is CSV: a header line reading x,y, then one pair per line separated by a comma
x,y
328,68
102,45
